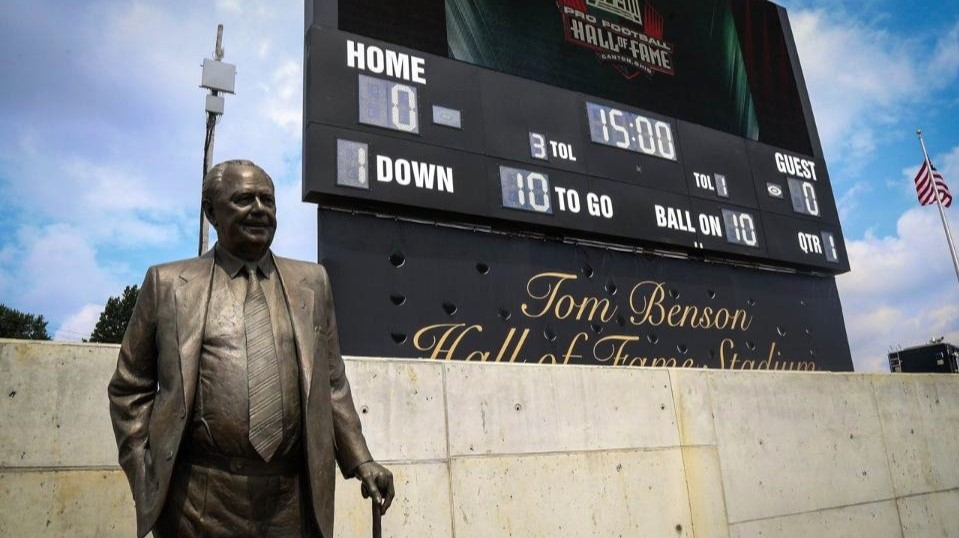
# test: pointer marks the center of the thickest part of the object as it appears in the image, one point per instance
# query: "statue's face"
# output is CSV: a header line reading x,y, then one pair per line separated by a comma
x,y
244,212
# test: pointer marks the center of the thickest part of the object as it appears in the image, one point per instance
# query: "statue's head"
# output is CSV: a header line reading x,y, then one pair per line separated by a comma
x,y
238,200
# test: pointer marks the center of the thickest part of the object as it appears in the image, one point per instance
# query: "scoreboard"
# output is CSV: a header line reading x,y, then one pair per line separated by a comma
x,y
419,132
648,126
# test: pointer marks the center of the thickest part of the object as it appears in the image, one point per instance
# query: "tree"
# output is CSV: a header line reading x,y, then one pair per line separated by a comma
x,y
17,324
115,317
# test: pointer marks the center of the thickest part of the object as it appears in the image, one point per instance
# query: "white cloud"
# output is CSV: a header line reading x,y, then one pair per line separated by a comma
x,y
284,97
56,269
849,200
264,49
107,204
945,61
161,47
858,78
234,6
948,164
107,188
103,179
902,289
863,79
79,325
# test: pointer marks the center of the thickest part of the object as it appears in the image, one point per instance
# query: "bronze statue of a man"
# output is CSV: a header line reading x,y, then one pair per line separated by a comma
x,y
230,401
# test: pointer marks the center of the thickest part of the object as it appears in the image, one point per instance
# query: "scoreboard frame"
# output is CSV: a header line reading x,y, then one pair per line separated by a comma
x,y
413,157
688,202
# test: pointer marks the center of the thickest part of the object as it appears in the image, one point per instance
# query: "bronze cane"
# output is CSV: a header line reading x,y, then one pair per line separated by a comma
x,y
377,526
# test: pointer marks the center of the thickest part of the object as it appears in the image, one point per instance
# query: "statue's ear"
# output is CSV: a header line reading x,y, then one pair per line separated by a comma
x,y
208,211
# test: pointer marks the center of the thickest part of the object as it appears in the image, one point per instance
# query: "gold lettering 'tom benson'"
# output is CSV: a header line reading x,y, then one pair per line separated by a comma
x,y
646,301
563,305
652,311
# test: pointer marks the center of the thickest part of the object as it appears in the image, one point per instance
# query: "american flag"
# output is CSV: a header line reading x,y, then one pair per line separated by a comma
x,y
924,186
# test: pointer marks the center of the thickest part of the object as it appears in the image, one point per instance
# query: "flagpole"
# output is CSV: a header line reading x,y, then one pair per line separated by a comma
x,y
942,212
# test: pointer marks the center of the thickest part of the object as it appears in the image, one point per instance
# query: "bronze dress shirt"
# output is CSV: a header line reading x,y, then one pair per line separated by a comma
x,y
221,412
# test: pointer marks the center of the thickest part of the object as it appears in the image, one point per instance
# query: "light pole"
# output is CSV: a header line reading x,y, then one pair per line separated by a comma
x,y
218,76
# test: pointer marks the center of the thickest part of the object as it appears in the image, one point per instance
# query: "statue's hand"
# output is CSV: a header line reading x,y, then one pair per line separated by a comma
x,y
378,482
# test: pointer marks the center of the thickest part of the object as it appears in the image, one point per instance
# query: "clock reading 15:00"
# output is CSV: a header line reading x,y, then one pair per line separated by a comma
x,y
625,130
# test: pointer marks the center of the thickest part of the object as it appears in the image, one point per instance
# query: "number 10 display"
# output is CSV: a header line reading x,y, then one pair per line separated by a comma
x,y
525,190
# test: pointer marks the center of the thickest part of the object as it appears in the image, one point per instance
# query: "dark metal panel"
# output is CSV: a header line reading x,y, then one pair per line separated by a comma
x,y
332,96
499,112
770,164
709,153
477,196
803,243
414,290
513,107
707,212
322,13
468,195
796,66
636,168
419,24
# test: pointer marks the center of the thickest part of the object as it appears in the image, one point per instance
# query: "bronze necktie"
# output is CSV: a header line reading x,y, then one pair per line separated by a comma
x,y
266,412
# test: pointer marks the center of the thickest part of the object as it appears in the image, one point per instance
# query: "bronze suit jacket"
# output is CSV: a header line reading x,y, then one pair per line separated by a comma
x,y
152,391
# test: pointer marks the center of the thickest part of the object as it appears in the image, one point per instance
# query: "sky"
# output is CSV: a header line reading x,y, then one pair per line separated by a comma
x,y
101,147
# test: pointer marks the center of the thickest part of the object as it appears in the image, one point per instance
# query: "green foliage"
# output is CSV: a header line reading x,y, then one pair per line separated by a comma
x,y
17,324
115,317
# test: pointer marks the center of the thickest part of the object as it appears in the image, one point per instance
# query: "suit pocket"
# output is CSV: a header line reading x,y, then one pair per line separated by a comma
x,y
142,483
150,485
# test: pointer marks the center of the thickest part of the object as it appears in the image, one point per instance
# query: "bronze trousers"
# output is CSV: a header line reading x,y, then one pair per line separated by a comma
x,y
213,503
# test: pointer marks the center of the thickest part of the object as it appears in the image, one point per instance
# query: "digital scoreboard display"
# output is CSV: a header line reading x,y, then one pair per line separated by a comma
x,y
388,104
402,131
678,127
629,131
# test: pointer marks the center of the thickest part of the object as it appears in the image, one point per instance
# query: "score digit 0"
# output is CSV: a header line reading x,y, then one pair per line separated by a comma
x,y
388,104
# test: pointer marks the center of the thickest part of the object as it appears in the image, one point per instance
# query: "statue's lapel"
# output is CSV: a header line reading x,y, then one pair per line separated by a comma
x,y
192,298
299,299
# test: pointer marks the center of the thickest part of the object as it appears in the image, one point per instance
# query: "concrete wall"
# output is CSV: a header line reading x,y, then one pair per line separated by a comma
x,y
489,450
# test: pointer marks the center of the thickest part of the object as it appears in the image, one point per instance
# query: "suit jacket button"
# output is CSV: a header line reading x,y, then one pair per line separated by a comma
x,y
182,414
169,455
